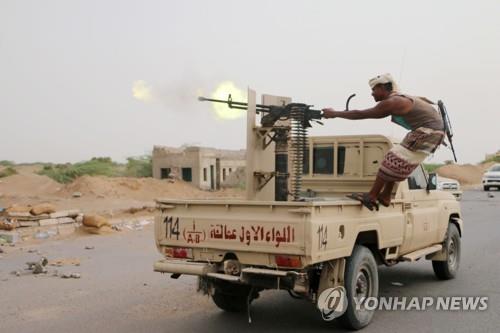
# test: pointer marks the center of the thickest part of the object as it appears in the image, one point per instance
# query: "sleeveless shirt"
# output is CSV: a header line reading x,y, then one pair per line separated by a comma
x,y
422,114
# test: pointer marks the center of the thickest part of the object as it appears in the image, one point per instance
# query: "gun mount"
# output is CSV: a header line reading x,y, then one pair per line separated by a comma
x,y
300,117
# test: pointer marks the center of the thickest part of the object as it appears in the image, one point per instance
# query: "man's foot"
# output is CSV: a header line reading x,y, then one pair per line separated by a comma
x,y
365,200
383,201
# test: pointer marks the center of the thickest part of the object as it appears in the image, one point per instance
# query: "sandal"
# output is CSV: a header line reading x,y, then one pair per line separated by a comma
x,y
382,202
365,200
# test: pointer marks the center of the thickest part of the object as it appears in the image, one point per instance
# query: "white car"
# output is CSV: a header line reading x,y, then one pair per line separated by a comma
x,y
451,185
491,178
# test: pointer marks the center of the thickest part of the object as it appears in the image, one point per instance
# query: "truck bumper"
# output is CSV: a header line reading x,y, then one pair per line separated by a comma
x,y
182,267
298,281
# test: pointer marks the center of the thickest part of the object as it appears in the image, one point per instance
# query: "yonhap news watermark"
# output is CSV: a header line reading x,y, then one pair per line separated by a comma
x,y
333,303
437,303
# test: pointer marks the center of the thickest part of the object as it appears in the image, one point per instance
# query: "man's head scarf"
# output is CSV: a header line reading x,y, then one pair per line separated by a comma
x,y
383,79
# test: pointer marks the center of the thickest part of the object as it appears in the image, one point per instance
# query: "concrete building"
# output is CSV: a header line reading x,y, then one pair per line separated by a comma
x,y
206,168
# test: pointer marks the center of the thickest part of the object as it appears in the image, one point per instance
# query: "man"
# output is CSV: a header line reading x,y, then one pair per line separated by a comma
x,y
413,113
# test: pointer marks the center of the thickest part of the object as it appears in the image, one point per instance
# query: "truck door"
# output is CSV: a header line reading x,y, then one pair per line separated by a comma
x,y
421,212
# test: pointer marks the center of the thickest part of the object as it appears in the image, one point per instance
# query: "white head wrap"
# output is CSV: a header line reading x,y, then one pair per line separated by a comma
x,y
382,79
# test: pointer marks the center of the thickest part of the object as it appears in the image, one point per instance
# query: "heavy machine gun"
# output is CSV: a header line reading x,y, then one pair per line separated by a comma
x,y
301,116
273,113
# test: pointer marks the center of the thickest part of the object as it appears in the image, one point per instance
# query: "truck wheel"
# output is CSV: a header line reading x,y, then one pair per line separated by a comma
x,y
486,188
361,280
231,297
446,270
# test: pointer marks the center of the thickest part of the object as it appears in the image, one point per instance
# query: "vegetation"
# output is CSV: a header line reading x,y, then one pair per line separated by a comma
x,y
6,163
432,167
99,166
141,166
495,159
8,171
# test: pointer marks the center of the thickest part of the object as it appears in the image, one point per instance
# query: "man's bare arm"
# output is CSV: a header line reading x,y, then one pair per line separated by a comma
x,y
391,106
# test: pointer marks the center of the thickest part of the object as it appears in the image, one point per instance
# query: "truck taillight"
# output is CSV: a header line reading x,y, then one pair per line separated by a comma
x,y
288,261
179,252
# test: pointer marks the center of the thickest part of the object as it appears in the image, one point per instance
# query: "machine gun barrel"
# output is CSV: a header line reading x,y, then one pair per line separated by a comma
x,y
236,105
313,114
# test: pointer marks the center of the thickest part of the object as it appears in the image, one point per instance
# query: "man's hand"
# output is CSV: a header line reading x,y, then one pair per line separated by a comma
x,y
329,113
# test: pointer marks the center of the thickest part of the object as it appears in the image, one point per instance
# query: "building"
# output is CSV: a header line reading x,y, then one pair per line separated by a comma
x,y
206,168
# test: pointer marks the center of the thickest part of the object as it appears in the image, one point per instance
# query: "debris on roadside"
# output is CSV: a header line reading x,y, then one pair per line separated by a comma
x,y
11,237
18,209
70,275
76,194
64,262
116,227
88,247
491,195
95,221
134,210
38,267
137,225
44,208
41,215
44,234
96,224
6,225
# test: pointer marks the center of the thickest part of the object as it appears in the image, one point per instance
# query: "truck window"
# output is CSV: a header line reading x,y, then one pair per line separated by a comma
x,y
417,180
340,160
323,160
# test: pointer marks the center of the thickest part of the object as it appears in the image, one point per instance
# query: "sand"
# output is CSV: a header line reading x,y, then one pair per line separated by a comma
x,y
103,195
466,174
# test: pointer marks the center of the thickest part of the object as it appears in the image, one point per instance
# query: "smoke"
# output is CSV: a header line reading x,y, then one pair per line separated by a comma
x,y
183,95
142,91
222,92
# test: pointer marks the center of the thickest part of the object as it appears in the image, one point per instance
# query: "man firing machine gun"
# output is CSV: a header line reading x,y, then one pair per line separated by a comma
x,y
427,131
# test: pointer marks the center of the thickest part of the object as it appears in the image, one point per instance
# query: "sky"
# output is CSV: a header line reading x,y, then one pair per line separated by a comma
x,y
68,69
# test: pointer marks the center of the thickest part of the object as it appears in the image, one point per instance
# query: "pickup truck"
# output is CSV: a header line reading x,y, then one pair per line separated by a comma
x,y
241,247
450,185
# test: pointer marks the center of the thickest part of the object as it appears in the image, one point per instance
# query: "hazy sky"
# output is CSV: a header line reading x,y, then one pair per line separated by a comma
x,y
67,69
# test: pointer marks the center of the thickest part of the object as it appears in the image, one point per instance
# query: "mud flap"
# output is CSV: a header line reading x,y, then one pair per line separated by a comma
x,y
332,274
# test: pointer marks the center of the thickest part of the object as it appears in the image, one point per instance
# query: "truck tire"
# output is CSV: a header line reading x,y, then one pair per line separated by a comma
x,y
231,297
360,280
486,188
447,269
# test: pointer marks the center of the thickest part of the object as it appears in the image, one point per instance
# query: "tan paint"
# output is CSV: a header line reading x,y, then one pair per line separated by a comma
x,y
323,230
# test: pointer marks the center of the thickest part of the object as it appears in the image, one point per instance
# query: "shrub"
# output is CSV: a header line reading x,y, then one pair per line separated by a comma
x,y
9,171
432,167
66,173
141,166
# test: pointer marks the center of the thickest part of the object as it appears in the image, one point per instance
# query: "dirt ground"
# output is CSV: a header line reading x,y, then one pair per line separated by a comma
x,y
103,195
466,174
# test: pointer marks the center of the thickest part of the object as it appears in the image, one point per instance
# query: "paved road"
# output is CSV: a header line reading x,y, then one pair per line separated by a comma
x,y
118,292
